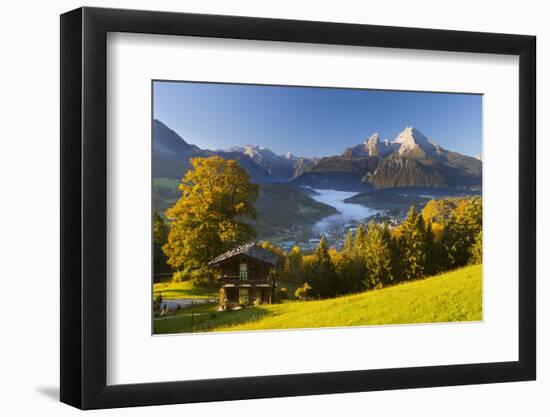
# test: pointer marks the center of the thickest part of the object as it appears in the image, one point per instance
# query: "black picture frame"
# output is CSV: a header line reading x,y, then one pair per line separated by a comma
x,y
84,207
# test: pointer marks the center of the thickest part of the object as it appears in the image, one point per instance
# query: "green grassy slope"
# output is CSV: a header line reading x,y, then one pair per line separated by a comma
x,y
453,296
184,289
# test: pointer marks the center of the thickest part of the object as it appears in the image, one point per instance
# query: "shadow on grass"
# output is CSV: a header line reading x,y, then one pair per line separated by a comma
x,y
188,323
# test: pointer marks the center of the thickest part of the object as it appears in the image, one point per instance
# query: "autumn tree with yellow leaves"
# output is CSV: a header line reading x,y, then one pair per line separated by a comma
x,y
208,219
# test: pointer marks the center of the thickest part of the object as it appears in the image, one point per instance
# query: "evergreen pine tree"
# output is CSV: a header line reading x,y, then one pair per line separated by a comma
x,y
360,236
378,255
323,277
160,237
461,231
413,245
358,266
433,252
349,243
350,268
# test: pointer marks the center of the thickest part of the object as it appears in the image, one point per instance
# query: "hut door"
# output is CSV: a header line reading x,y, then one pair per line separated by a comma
x,y
244,297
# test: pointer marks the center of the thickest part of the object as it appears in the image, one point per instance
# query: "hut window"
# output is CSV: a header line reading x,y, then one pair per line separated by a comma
x,y
243,271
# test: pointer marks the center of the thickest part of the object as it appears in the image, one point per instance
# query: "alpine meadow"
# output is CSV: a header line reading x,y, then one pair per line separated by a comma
x,y
280,207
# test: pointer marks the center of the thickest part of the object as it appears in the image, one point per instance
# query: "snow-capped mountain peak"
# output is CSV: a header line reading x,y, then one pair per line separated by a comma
x,y
253,151
373,146
372,139
411,138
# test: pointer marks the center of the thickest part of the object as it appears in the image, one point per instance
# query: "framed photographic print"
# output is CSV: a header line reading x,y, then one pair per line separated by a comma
x,y
257,208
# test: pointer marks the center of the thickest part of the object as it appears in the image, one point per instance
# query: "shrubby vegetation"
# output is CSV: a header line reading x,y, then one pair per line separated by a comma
x,y
200,277
302,293
282,294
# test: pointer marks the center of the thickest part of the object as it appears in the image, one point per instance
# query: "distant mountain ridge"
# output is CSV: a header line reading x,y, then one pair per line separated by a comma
x,y
280,168
410,160
171,155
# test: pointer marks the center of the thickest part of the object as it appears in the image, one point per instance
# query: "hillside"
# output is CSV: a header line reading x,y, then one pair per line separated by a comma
x,y
281,207
338,173
171,155
410,172
451,297
383,200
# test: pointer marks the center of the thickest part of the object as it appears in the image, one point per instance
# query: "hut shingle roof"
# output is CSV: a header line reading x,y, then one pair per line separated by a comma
x,y
250,249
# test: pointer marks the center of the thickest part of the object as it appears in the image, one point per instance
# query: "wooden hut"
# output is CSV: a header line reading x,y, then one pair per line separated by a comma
x,y
247,274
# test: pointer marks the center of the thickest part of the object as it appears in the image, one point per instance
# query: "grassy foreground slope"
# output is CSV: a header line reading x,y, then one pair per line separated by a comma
x,y
453,296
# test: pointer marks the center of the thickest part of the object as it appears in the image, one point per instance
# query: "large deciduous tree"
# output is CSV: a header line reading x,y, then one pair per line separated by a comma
x,y
207,220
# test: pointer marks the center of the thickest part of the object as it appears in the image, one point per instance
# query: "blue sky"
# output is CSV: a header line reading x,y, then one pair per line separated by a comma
x,y
309,121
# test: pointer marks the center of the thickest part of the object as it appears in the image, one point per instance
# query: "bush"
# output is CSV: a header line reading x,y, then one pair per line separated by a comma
x,y
223,299
157,301
201,281
302,293
179,276
199,277
282,293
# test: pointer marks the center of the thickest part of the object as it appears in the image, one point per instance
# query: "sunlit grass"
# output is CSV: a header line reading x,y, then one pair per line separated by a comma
x,y
450,297
183,289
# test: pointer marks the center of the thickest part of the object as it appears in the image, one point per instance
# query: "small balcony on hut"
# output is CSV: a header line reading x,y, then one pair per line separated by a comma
x,y
246,273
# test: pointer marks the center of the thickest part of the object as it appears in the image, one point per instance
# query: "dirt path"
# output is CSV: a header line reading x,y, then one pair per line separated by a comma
x,y
183,303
